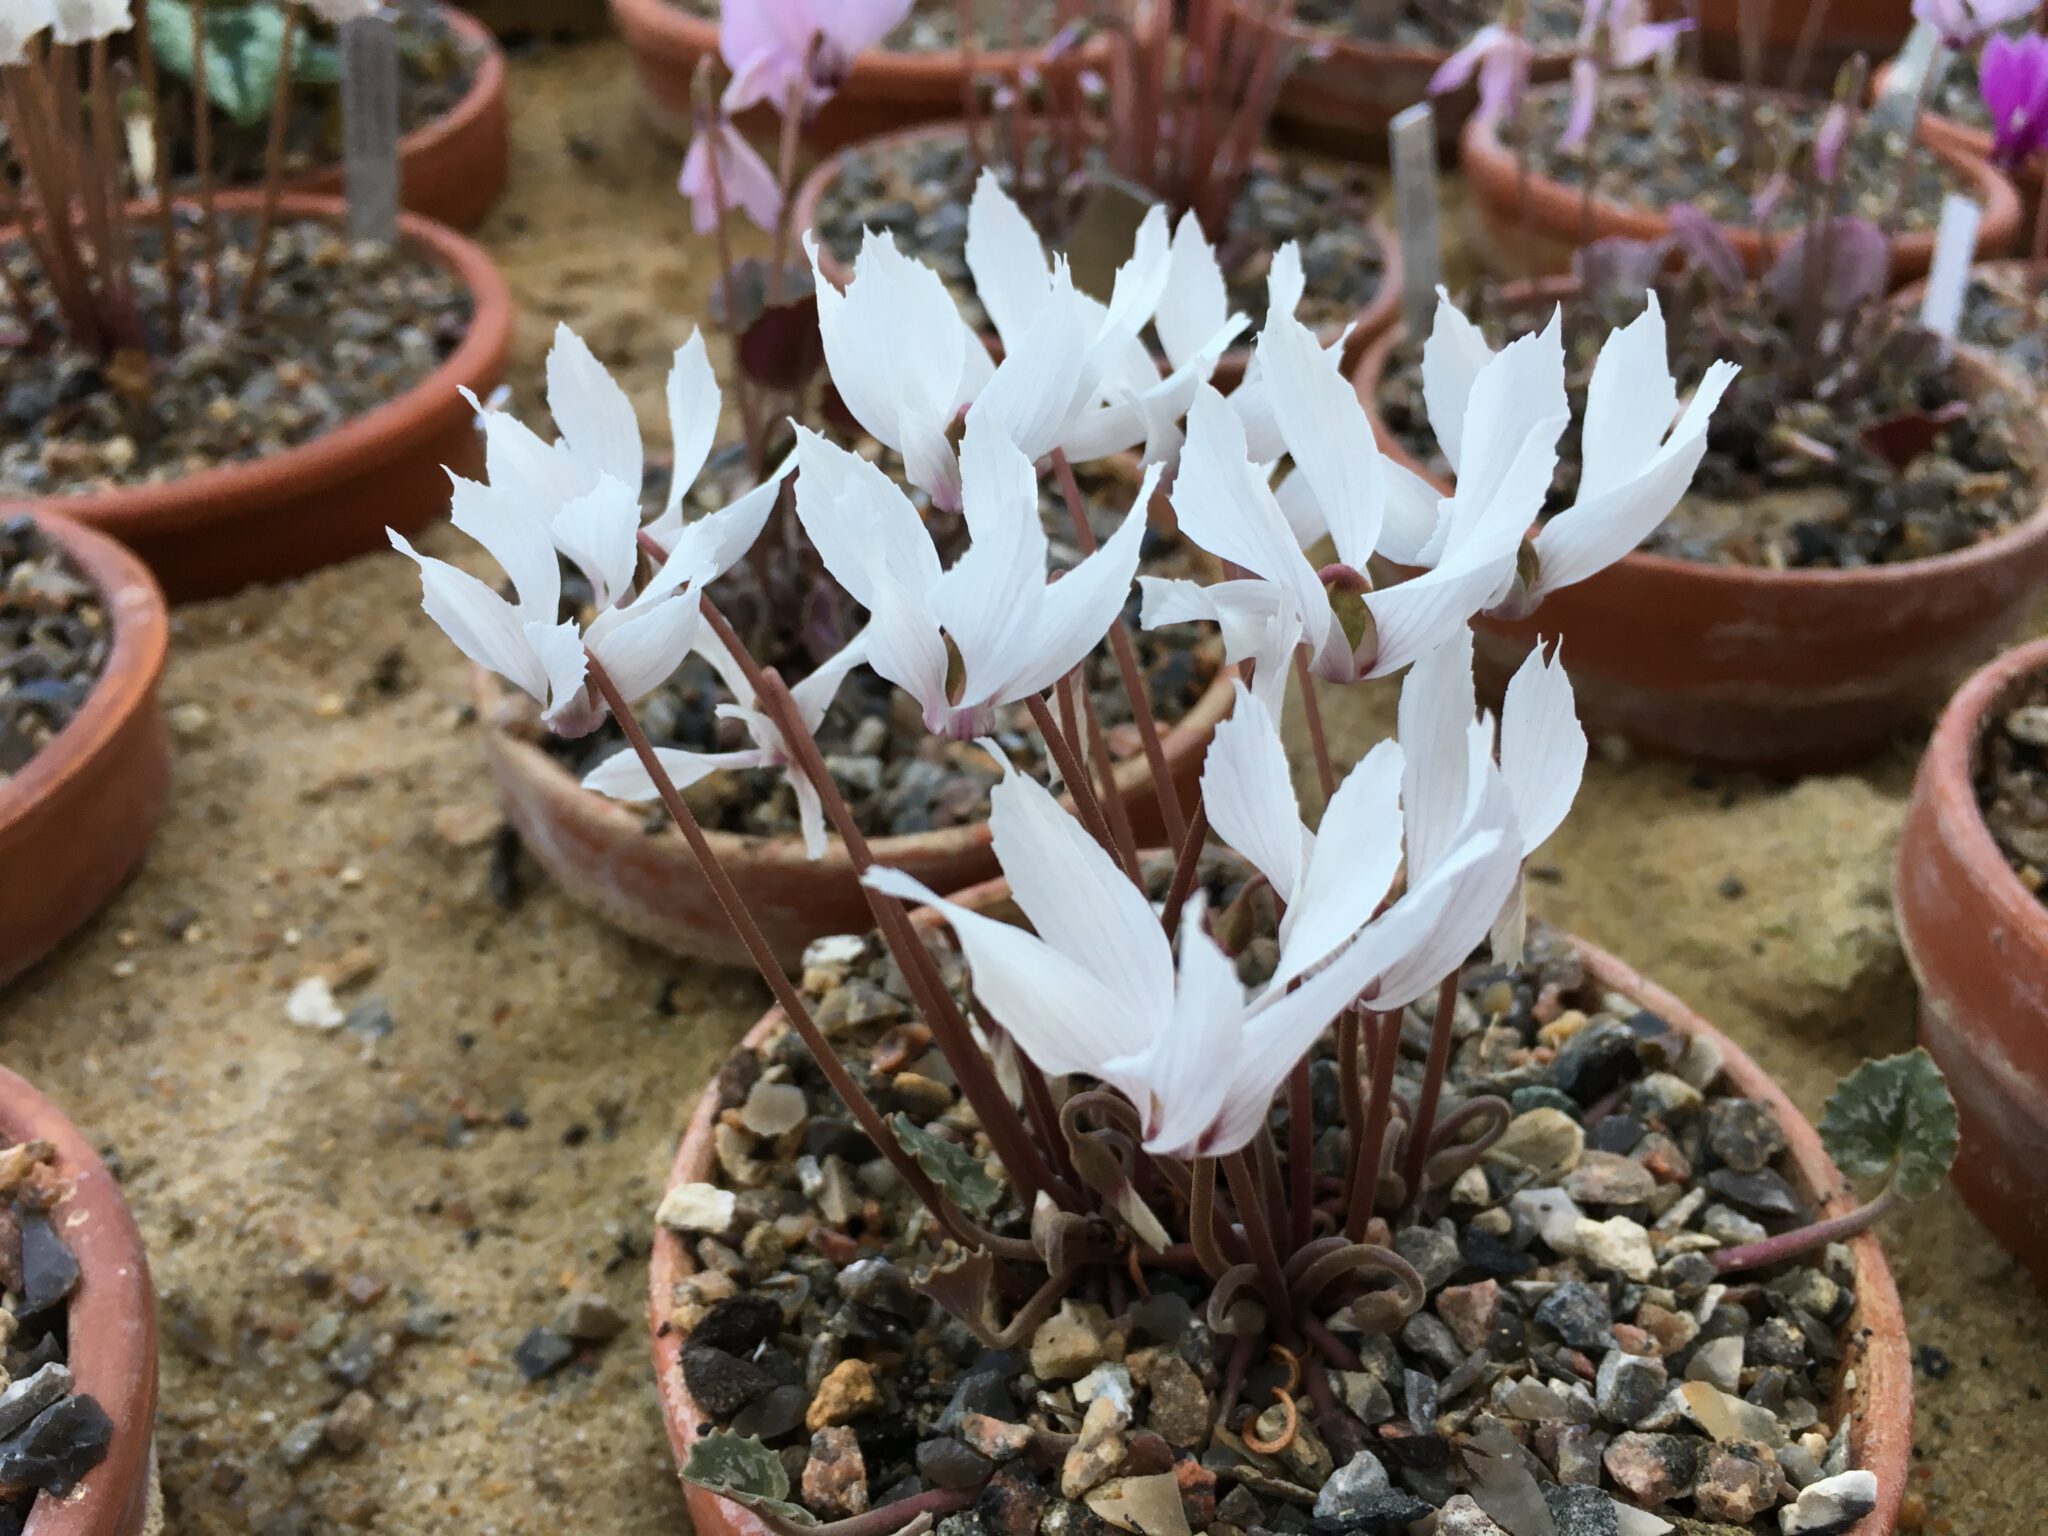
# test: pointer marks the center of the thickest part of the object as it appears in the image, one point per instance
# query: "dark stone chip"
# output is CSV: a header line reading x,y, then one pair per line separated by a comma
x,y
58,1447
1744,1134
1596,1061
1578,1314
1580,1511
1933,1363
1493,1257
541,1353
722,1384
946,1463
1542,1096
1766,1193
1012,1502
1383,1511
48,1271
14,1517
1426,1451
1619,1134
1164,1315
779,1413
739,1325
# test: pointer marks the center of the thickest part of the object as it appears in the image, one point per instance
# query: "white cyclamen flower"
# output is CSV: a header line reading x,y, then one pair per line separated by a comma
x,y
1342,486
1097,989
340,11
1451,751
87,21
990,631
624,777
1638,453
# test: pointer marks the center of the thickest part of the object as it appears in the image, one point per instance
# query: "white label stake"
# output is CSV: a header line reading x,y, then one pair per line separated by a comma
x,y
369,126
1418,213
1955,247
1919,55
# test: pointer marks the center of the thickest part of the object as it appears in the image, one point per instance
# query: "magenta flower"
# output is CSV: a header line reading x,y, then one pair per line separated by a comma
x,y
1501,58
778,49
1962,23
743,180
2014,79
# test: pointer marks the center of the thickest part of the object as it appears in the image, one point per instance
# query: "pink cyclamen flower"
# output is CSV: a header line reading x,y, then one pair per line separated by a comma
x,y
2014,79
1501,58
1829,142
1962,23
743,179
780,49
1632,40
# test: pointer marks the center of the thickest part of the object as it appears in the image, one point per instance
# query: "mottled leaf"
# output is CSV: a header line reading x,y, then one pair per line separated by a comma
x,y
952,1167
783,348
243,45
1894,1114
741,1468
1705,245
1620,269
1854,260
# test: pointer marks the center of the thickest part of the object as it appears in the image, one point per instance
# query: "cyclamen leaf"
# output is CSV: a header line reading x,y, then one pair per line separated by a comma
x,y
1854,260
742,1469
952,1167
1893,1114
242,47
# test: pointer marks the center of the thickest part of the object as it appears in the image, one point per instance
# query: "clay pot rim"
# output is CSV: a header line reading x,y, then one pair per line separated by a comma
x,y
493,695
485,86
1882,1432
1946,781
383,432
675,30
126,684
111,1320
1363,50
1373,320
1483,155
1790,583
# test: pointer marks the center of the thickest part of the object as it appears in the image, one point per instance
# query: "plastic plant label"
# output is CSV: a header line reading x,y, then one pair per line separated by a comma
x,y
1955,247
369,126
1418,211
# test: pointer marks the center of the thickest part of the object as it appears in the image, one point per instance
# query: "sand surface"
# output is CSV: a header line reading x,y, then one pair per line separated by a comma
x,y
324,1209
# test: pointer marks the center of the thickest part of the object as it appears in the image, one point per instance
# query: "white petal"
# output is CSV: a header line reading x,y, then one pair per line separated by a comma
x,y
514,532
546,476
1414,508
595,416
622,776
1327,434
693,409
1303,511
904,645
855,516
989,601
1248,788
1011,274
1463,897
1141,281
1542,747
1436,712
1510,936
1357,850
1182,1082
705,548
485,628
1036,390
644,645
1286,281
600,534
1631,402
1591,535
814,695
1051,1006
1258,625
560,650
1084,905
1518,395
1075,613
1451,361
1225,505
1195,302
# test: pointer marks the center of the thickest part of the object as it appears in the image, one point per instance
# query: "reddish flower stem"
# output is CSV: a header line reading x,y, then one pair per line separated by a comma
x,y
1301,1136
750,406
167,231
1245,1193
1120,644
273,164
202,152
1432,1083
1186,866
1367,1155
1079,790
1076,689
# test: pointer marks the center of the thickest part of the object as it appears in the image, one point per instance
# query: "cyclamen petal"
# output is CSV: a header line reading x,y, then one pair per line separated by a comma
x,y
1248,789
21,20
1542,747
485,628
87,21
596,418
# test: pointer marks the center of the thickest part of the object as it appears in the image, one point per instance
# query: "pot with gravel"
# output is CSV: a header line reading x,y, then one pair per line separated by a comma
x,y
1654,146
1811,41
77,1335
454,153
1973,863
85,760
235,386
1867,523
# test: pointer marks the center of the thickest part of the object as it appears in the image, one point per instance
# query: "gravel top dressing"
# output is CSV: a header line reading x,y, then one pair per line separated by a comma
x,y
919,193
1657,147
54,641
50,1436
343,328
1577,1346
1440,24
2012,783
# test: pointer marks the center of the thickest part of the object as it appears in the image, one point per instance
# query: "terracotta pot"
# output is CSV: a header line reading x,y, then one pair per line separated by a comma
x,y
885,90
1876,1354
1977,940
330,499
111,1325
83,811
1382,312
1962,139
1546,240
1874,28
648,884
1793,671
1343,92
455,167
